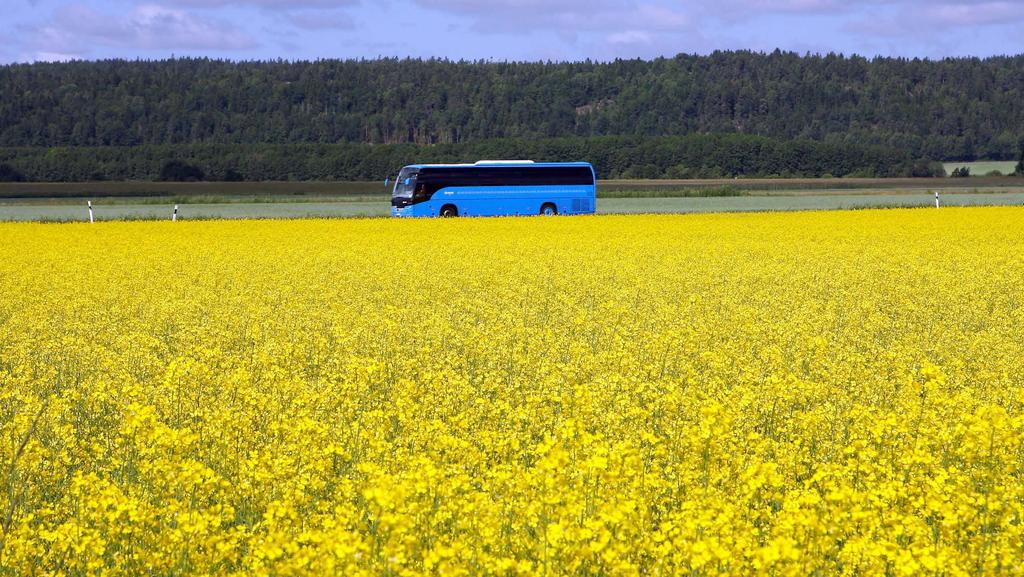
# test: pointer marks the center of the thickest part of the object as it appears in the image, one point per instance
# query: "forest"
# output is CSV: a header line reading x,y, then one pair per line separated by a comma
x,y
674,117
693,156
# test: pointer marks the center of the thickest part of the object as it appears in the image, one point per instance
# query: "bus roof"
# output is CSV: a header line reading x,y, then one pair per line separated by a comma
x,y
499,163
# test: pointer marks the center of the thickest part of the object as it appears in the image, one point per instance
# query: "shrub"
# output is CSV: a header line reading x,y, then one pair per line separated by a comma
x,y
10,174
178,171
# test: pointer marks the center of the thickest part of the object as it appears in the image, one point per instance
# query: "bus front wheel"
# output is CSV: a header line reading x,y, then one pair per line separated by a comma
x,y
448,211
548,209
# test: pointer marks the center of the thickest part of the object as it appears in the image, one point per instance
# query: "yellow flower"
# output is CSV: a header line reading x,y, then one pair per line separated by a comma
x,y
734,394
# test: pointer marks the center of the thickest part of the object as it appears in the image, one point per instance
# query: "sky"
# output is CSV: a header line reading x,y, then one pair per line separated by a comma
x,y
33,30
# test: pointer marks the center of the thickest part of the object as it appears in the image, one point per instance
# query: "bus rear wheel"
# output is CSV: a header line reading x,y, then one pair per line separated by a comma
x,y
448,211
548,209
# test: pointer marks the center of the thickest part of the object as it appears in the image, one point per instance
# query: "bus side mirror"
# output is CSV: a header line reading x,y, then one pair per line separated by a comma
x,y
408,181
386,181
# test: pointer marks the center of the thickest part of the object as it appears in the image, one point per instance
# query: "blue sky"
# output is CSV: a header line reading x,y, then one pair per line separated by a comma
x,y
501,29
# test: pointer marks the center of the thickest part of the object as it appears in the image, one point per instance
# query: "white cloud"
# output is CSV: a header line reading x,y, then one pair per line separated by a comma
x,y
524,16
267,4
798,6
661,17
322,20
75,29
920,21
43,56
522,5
561,29
974,13
602,29
304,14
630,37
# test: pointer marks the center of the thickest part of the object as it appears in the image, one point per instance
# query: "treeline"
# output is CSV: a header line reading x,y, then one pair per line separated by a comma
x,y
960,108
694,156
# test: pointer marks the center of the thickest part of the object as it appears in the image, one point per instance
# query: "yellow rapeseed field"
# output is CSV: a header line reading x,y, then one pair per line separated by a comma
x,y
791,394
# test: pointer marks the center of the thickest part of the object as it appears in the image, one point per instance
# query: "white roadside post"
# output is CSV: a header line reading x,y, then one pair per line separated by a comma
x,y
936,199
174,216
90,212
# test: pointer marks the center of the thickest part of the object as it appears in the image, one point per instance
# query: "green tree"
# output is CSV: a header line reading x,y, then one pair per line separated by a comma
x,y
178,171
691,156
958,107
1019,171
10,174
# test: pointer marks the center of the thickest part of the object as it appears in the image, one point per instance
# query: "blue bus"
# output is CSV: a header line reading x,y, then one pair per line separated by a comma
x,y
495,188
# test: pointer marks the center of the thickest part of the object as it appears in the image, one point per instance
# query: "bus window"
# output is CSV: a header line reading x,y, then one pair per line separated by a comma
x,y
421,193
404,185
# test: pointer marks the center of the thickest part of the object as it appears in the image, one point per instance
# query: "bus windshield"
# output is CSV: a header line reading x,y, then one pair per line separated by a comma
x,y
403,189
